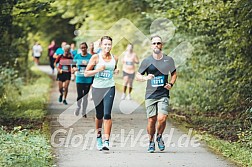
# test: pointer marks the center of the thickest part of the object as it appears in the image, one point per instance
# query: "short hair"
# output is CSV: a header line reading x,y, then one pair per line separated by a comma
x,y
106,37
66,47
156,36
84,43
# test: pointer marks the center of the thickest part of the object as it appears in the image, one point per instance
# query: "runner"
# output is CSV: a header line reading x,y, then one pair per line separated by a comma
x,y
36,52
74,53
103,66
157,67
51,50
129,60
73,50
64,62
82,83
60,51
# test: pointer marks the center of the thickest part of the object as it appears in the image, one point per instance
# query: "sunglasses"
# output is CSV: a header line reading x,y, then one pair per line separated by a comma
x,y
156,43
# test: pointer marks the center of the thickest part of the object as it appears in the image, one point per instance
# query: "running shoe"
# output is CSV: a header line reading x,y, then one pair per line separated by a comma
x,y
99,143
123,96
151,148
65,102
129,97
161,144
60,98
77,112
105,145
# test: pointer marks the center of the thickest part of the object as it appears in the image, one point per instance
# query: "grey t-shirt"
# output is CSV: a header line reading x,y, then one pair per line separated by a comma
x,y
160,69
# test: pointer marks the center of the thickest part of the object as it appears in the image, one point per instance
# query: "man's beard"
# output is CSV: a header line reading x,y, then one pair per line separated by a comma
x,y
156,50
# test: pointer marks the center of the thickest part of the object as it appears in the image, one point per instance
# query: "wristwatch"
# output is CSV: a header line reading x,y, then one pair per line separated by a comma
x,y
171,84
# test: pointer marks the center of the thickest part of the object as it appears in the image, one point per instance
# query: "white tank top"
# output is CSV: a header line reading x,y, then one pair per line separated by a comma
x,y
105,78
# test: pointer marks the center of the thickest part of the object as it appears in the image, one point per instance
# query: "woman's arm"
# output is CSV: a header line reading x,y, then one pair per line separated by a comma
x,y
136,60
90,71
116,71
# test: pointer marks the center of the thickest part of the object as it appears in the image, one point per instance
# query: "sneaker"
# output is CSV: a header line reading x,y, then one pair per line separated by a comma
x,y
123,96
151,148
105,145
83,114
65,102
60,98
77,112
99,144
129,97
161,144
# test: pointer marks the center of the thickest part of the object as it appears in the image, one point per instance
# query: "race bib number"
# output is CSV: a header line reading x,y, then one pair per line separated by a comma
x,y
129,63
64,68
106,74
157,81
82,70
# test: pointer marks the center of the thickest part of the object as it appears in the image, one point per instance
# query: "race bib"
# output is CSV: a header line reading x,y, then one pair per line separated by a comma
x,y
106,74
64,68
157,81
129,63
82,70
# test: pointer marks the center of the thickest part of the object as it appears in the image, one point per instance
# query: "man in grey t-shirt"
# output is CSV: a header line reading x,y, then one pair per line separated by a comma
x,y
157,67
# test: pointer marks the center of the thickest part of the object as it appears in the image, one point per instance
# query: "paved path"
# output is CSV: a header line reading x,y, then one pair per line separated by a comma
x,y
76,143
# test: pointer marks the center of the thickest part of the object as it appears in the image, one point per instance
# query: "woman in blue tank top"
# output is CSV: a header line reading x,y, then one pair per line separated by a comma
x,y
103,66
82,83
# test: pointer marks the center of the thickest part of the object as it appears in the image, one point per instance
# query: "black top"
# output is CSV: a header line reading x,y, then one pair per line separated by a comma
x,y
160,69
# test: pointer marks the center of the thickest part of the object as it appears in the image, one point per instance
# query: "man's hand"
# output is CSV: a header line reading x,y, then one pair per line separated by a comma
x,y
149,76
168,86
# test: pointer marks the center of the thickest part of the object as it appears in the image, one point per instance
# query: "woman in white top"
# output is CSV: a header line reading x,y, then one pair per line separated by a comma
x,y
103,66
36,52
129,60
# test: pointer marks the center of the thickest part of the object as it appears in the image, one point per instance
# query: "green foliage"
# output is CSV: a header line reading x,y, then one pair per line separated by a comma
x,y
219,69
24,148
9,83
26,103
234,150
25,108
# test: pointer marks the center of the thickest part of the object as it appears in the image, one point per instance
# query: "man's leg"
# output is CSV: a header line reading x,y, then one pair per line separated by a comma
x,y
151,127
162,117
151,110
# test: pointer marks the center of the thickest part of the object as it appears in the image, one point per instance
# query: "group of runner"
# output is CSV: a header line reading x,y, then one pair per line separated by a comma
x,y
98,69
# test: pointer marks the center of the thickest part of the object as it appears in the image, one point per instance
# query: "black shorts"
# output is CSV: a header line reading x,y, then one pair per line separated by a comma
x,y
64,76
132,76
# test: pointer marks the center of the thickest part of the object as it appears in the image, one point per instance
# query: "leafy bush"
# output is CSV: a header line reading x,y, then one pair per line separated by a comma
x,y
24,148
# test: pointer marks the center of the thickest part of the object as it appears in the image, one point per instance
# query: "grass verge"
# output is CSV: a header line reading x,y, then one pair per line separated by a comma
x,y
24,139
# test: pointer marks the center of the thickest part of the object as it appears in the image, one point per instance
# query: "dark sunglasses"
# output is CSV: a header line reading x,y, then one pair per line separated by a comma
x,y
156,43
